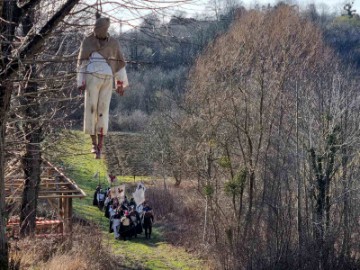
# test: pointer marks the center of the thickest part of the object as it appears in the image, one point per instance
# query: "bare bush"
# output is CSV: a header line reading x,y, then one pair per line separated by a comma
x,y
84,249
261,98
181,210
135,121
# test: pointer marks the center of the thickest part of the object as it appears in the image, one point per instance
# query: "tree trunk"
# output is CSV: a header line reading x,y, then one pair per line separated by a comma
x,y
323,178
5,95
299,186
345,247
11,13
251,200
8,13
316,163
32,167
31,161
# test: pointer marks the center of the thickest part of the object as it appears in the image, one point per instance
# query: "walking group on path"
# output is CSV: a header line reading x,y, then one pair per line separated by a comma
x,y
126,219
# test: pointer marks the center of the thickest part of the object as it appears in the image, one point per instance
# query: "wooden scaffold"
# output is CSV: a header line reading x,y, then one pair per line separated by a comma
x,y
57,189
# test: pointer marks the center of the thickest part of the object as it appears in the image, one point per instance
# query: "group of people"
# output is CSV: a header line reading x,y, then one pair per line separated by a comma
x,y
127,219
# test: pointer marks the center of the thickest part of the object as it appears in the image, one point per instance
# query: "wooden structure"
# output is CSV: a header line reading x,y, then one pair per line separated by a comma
x,y
56,189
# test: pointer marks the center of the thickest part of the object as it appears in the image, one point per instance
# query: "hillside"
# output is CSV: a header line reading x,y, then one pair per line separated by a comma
x,y
156,253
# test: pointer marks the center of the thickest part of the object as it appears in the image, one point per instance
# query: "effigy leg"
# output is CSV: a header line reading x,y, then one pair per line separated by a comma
x,y
94,144
100,144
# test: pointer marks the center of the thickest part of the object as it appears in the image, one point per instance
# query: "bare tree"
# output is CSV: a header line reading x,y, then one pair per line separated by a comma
x,y
12,15
263,96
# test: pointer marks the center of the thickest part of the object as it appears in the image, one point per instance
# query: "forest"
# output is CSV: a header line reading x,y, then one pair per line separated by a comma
x,y
254,108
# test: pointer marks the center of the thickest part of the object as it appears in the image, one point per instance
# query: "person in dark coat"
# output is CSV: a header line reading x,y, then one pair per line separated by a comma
x,y
125,226
124,207
148,221
135,222
132,203
101,199
107,208
112,210
95,200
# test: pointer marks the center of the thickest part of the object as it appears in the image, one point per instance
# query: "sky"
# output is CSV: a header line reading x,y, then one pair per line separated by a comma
x,y
329,5
200,8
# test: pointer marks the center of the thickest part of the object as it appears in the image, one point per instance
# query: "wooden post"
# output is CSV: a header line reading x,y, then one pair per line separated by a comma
x,y
66,220
67,215
70,213
61,209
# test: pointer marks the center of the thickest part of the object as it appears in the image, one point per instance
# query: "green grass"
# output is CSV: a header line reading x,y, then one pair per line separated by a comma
x,y
153,253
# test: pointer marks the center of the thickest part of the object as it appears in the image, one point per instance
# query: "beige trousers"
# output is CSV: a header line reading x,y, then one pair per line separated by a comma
x,y
97,101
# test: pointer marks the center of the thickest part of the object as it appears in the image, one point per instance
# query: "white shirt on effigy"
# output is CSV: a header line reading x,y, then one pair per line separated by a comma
x,y
96,64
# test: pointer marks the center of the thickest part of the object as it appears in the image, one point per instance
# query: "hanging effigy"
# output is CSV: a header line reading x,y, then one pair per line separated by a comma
x,y
100,62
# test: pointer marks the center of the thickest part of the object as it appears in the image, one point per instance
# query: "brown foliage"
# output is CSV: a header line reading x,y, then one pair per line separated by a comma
x,y
180,208
248,132
83,250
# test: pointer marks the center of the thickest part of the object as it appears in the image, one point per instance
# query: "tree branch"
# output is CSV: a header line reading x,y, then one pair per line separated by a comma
x,y
29,5
38,40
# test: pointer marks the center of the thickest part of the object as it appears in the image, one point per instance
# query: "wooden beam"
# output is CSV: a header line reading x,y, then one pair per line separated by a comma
x,y
52,179
45,191
58,187
42,187
68,179
68,215
49,197
44,184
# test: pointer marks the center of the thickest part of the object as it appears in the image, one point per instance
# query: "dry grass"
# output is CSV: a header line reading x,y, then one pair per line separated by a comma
x,y
182,210
83,250
66,262
179,213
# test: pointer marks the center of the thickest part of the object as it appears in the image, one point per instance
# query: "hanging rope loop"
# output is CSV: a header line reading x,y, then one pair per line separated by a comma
x,y
98,9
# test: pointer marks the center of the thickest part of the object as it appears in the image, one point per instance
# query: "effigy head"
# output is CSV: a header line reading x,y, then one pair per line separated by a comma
x,y
101,27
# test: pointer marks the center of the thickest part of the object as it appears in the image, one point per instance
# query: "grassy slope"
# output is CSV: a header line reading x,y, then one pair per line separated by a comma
x,y
146,254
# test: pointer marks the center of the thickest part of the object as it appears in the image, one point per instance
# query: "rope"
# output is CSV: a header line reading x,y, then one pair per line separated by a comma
x,y
98,9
